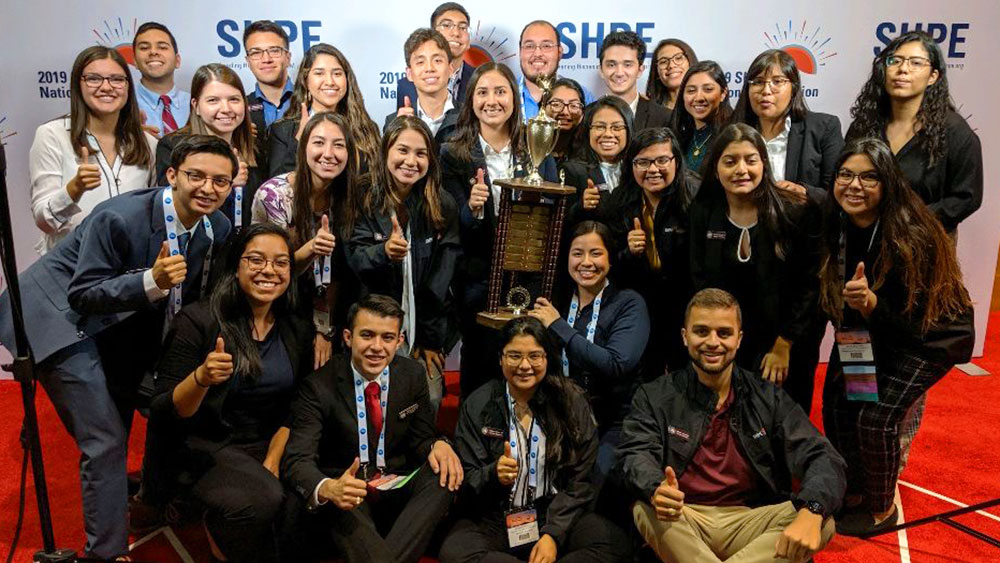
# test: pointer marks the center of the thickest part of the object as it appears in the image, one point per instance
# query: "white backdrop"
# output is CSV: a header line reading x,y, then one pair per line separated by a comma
x,y
833,42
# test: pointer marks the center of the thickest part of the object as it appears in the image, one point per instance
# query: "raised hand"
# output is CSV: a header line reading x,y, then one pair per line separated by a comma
x,y
244,171
480,192
407,108
591,196
506,467
88,176
857,294
636,238
217,367
324,242
168,270
668,499
397,246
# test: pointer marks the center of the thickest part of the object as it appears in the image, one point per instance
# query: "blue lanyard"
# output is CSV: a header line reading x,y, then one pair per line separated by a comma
x,y
536,453
321,270
359,393
574,308
238,207
170,221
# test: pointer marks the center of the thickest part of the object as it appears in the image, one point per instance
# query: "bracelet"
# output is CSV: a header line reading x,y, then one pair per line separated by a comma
x,y
198,383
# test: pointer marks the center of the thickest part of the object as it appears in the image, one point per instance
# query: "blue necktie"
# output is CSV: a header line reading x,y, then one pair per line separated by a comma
x,y
182,242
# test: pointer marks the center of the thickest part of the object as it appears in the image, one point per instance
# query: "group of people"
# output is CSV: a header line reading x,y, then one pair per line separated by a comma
x,y
294,277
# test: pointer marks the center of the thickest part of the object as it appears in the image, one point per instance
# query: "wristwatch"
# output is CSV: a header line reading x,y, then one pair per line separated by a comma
x,y
813,506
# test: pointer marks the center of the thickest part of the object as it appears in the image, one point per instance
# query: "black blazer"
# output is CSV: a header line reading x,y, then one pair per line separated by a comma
x,y
323,441
577,173
443,133
255,107
406,88
191,337
435,257
283,147
650,114
814,143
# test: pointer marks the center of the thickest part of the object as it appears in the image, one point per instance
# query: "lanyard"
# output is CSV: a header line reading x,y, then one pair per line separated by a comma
x,y
170,221
359,393
409,301
842,257
535,457
322,266
574,308
238,207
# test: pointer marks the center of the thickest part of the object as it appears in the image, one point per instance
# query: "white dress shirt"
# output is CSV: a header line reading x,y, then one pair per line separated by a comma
x,y
432,123
777,151
500,166
612,174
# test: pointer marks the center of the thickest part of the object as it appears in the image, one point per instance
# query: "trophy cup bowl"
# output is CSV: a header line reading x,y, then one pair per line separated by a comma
x,y
541,132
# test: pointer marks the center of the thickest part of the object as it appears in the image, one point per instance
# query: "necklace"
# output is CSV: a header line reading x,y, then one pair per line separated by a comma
x,y
698,147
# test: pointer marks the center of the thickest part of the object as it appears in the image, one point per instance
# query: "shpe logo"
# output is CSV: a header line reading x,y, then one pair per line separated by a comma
x,y
809,49
488,47
118,35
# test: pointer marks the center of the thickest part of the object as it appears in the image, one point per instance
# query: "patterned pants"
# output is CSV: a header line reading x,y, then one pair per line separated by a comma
x,y
868,434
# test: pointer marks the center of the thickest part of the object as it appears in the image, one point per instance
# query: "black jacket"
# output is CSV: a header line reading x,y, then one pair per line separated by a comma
x,y
443,133
282,148
324,438
435,257
255,109
577,172
483,429
406,88
650,114
814,143
668,421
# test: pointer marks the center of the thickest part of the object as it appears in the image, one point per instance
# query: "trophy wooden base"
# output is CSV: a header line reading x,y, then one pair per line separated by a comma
x,y
550,189
498,319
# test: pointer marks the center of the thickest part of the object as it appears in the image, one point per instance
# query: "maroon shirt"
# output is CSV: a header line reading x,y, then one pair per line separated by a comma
x,y
718,474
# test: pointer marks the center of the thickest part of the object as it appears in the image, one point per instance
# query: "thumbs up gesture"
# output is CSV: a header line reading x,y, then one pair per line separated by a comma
x,y
506,467
668,499
303,118
407,108
217,367
88,176
857,294
168,270
636,238
480,192
397,246
591,196
324,242
346,491
243,174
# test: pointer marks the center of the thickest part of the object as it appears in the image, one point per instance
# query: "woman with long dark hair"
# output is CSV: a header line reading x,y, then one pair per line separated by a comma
x,y
488,144
325,82
319,204
94,153
648,218
759,243
671,60
406,244
906,103
888,271
704,111
528,441
219,108
224,388
564,103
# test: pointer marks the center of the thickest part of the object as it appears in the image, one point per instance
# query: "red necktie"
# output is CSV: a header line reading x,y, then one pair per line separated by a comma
x,y
169,124
373,406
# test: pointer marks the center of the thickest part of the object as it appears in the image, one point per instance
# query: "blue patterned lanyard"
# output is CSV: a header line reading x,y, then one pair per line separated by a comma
x,y
574,308
536,453
359,395
170,222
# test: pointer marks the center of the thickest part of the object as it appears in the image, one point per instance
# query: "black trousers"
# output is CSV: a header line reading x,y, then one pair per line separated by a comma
x,y
592,538
802,364
388,526
480,360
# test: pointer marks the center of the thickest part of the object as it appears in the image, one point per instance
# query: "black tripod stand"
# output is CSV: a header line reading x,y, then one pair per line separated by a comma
x,y
23,369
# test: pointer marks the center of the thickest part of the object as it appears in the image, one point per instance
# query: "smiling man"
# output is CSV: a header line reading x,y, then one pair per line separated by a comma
x,y
451,20
710,452
165,107
540,51
623,60
97,303
266,47
427,67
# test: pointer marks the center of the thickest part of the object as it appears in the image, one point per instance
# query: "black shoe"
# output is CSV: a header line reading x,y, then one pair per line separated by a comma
x,y
863,523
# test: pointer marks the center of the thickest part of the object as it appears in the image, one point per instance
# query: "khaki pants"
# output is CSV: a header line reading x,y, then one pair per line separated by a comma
x,y
710,534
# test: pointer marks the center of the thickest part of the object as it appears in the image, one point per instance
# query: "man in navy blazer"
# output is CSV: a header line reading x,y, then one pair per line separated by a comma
x,y
623,60
452,21
95,308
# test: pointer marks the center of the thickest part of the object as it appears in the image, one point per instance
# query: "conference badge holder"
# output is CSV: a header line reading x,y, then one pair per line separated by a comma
x,y
857,360
522,526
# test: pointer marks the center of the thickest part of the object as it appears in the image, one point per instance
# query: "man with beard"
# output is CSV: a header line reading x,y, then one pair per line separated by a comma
x,y
540,54
710,452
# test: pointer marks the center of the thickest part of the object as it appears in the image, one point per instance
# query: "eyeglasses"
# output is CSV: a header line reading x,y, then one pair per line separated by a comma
x,y
515,358
558,105
868,180
916,63
448,25
676,60
645,163
544,46
602,127
776,84
257,263
197,179
273,52
117,81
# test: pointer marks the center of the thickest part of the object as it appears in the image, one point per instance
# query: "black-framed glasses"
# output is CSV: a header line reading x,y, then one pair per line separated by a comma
x,y
198,179
916,63
868,180
644,163
515,358
448,25
544,46
117,81
256,263
777,84
273,52
666,62
558,105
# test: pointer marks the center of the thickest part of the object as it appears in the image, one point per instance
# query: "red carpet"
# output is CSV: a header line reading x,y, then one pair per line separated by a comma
x,y
954,456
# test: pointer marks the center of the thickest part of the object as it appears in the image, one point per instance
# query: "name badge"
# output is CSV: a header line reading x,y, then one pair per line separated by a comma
x,y
857,359
716,235
522,527
409,410
256,107
674,431
379,236
492,432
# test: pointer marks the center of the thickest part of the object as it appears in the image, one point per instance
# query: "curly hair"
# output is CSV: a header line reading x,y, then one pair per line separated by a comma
x,y
872,109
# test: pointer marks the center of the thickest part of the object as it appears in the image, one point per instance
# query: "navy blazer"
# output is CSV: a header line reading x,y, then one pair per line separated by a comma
x,y
448,126
814,143
649,114
406,88
92,279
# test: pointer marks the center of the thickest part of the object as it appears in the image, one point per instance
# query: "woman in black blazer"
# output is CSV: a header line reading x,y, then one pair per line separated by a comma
x,y
759,243
224,387
332,87
488,144
406,244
